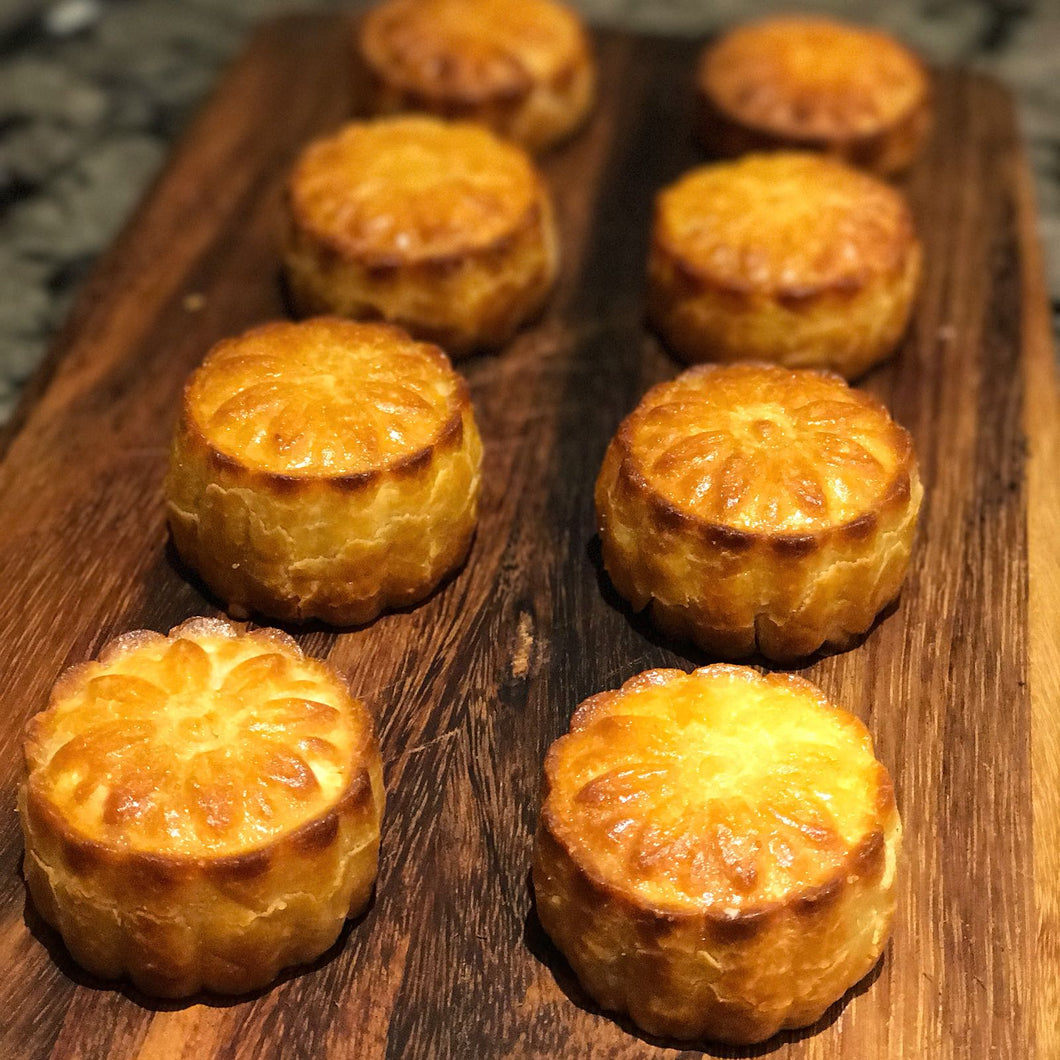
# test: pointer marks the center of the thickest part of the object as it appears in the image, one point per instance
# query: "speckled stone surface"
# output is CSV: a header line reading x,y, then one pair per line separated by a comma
x,y
93,93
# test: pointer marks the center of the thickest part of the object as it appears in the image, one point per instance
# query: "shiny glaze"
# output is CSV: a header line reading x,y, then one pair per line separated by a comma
x,y
764,449
472,49
203,743
324,397
407,189
813,76
720,789
788,223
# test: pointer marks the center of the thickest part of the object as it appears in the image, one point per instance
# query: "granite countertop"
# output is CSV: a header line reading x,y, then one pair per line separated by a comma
x,y
93,93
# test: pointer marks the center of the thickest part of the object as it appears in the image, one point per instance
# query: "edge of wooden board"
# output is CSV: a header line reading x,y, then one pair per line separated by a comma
x,y
1041,418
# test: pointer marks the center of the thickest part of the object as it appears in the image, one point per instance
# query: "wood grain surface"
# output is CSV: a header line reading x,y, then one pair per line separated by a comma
x,y
1042,425
958,685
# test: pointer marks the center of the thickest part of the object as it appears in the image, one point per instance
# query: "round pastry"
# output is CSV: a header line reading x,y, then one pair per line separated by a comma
x,y
522,67
716,852
200,810
324,470
818,84
754,508
791,258
441,228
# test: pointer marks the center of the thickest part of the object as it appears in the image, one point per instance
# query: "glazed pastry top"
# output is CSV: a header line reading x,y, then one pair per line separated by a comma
x,y
791,223
763,449
472,50
814,76
407,189
323,397
202,743
717,790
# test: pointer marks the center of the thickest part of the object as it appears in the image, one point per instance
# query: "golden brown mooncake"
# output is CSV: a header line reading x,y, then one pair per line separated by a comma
x,y
716,852
440,228
327,470
787,257
753,508
524,68
816,84
200,810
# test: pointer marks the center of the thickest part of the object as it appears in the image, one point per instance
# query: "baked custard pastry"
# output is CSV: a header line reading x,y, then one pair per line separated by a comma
x,y
522,67
716,852
752,508
200,810
788,257
814,83
441,228
324,470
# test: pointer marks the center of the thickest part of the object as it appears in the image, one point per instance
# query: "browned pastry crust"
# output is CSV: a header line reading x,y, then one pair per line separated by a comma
x,y
787,257
200,810
324,470
818,84
752,508
440,228
716,852
524,68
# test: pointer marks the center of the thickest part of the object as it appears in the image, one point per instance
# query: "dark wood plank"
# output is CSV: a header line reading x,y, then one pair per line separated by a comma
x,y
471,687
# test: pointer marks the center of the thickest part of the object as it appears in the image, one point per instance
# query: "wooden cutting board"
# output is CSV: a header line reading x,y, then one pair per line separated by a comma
x,y
958,685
